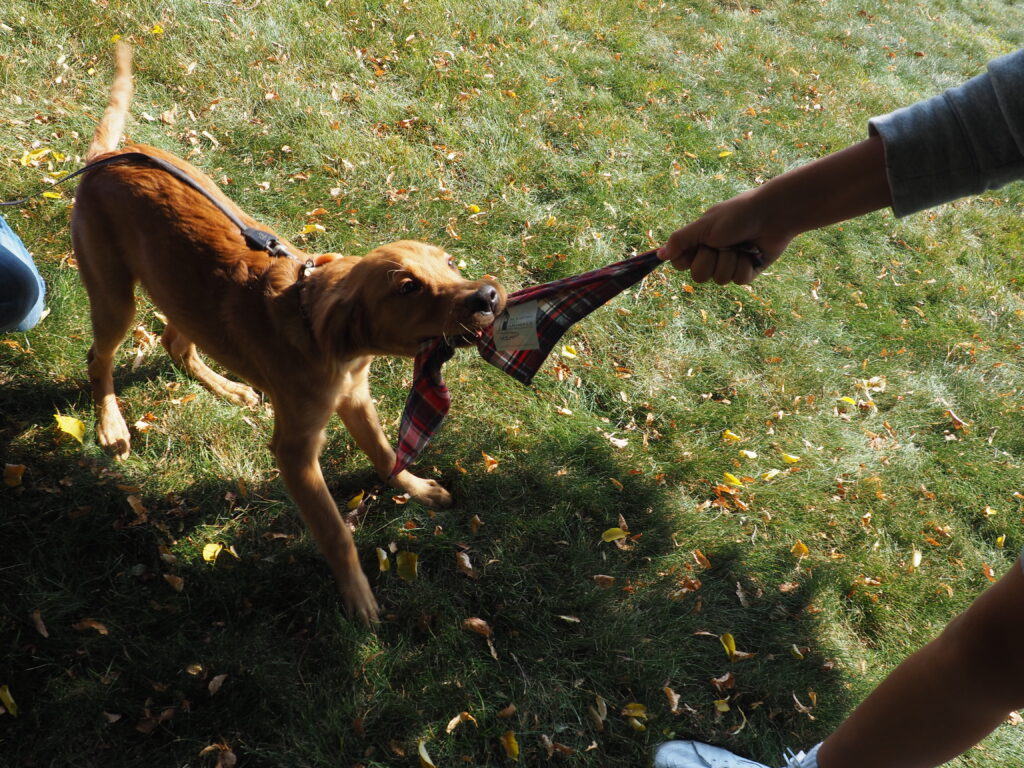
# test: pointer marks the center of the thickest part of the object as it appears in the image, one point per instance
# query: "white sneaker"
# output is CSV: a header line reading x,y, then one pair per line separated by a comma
x,y
694,754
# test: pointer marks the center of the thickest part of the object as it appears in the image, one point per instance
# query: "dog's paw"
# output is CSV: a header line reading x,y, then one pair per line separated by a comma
x,y
432,494
113,436
358,599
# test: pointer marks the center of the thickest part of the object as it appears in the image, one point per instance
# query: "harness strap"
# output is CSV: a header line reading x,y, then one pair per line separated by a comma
x,y
256,239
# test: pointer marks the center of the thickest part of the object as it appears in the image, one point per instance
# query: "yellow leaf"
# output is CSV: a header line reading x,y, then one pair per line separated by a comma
x,y
635,724
310,228
800,549
635,709
13,474
156,30
722,705
7,700
790,458
1000,541
988,512
796,652
473,208
724,153
729,643
355,501
849,400
52,195
115,38
408,566
211,551
425,759
569,351
731,479
613,534
71,426
550,221
730,435
770,474
382,560
748,454
508,741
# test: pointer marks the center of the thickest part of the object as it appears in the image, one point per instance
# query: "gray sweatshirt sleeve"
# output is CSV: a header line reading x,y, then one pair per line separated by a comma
x,y
959,143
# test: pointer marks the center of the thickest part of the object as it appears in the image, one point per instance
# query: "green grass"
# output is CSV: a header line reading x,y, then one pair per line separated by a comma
x,y
581,133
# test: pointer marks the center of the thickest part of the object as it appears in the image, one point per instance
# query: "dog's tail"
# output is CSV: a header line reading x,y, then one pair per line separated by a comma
x,y
108,132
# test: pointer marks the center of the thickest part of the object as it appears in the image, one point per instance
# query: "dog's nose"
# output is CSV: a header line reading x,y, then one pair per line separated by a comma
x,y
485,299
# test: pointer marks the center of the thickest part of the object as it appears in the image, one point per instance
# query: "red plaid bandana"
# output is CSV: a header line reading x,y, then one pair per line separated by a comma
x,y
549,308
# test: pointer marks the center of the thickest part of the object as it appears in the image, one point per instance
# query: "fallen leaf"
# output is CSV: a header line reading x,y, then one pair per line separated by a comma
x,y
748,454
215,683
69,425
490,463
177,583
355,501
90,624
511,746
731,479
383,563
605,582
724,682
211,551
425,759
459,719
800,549
475,522
407,566
613,534
701,559
569,351
722,705
478,625
987,570
465,565
13,474
8,701
790,458
37,622
673,700
634,709
507,712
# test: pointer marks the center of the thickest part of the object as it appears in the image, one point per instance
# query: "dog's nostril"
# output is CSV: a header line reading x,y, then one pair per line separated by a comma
x,y
484,300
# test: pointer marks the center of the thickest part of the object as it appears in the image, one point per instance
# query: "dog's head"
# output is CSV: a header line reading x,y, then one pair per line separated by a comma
x,y
403,293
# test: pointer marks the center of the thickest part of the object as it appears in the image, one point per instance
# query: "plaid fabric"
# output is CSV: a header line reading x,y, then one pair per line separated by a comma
x,y
560,304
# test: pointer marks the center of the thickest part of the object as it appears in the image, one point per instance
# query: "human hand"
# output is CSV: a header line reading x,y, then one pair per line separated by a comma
x,y
733,241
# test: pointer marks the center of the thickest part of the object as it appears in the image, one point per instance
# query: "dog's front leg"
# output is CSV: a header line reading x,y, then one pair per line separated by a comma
x,y
298,438
356,409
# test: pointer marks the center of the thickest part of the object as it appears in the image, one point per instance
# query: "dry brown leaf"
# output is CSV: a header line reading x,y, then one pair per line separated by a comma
x,y
724,682
465,565
478,625
475,522
37,622
91,624
508,711
13,474
216,683
673,700
605,582
177,583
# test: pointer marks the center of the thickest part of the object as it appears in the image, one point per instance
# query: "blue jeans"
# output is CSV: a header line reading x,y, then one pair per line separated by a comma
x,y
21,288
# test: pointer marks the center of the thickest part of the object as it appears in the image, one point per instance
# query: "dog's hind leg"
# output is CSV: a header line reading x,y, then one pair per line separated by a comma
x,y
184,353
112,308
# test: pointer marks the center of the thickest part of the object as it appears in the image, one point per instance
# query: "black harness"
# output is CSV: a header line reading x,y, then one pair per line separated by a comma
x,y
256,239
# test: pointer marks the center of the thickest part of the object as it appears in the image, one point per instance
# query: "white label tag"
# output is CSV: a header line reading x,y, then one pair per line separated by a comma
x,y
516,328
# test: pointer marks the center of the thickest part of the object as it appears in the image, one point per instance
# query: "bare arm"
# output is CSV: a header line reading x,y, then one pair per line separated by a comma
x,y
837,187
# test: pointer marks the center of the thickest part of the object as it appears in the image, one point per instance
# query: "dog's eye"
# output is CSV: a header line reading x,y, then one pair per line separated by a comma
x,y
409,285
451,263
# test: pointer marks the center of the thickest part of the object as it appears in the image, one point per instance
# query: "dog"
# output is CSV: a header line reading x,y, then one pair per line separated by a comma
x,y
306,342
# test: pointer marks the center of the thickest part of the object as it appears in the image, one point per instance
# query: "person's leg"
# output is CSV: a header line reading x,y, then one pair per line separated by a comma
x,y
21,287
945,697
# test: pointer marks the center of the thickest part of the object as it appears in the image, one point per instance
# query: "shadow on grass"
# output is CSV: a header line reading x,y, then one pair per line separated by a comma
x,y
124,675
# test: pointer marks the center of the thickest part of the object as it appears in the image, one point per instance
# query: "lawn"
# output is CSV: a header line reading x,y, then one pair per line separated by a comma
x,y
865,393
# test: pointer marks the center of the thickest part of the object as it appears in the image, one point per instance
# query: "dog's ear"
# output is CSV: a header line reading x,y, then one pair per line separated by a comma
x,y
339,318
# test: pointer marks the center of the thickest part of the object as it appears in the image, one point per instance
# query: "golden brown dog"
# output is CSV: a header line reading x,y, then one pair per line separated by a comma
x,y
307,343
